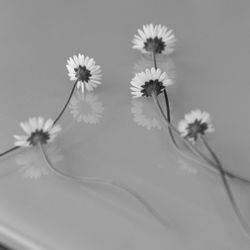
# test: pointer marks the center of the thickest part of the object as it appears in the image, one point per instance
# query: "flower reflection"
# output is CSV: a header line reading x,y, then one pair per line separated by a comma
x,y
86,107
187,167
32,162
144,114
166,64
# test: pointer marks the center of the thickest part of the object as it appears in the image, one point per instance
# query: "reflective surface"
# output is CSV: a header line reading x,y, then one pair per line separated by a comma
x,y
211,65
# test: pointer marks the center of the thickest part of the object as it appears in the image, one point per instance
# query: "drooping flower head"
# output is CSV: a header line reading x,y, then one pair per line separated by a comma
x,y
196,122
38,131
158,39
152,81
84,70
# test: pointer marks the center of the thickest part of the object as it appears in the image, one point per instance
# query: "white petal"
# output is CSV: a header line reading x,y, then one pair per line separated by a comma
x,y
26,127
48,124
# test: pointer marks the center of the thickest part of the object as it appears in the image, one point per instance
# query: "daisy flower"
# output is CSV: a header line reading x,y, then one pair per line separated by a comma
x,y
31,161
196,122
84,70
144,114
151,81
86,107
38,131
158,39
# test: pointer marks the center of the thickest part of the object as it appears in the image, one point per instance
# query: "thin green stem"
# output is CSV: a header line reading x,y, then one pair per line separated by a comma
x,y
112,183
66,104
236,209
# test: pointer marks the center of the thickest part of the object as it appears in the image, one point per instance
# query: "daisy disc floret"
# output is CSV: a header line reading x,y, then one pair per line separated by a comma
x,y
194,124
157,39
84,70
151,81
38,131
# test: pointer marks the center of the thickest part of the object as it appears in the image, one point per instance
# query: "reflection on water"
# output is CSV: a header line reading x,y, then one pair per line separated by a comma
x,y
164,63
187,167
144,113
32,162
86,107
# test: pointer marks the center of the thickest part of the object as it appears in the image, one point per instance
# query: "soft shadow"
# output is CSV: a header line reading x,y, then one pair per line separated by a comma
x,y
85,107
31,161
144,113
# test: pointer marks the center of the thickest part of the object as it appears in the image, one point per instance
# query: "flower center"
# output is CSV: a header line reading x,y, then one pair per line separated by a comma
x,y
82,73
39,136
196,128
152,87
154,45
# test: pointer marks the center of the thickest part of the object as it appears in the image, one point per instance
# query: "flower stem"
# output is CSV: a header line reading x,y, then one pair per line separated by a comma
x,y
111,183
195,150
168,110
66,104
154,59
9,151
55,121
174,142
236,209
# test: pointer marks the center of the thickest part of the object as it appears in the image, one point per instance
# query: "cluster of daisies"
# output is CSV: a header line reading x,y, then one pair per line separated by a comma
x,y
86,75
156,40
153,81
150,83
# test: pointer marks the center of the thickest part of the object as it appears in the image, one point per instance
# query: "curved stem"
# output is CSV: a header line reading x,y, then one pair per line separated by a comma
x,y
9,151
195,150
236,209
167,105
66,104
174,142
55,121
111,183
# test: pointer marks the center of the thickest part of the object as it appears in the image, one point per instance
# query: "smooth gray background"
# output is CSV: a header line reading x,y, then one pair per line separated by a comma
x,y
212,73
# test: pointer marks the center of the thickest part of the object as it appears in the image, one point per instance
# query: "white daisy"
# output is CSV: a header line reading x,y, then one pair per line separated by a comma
x,y
196,122
32,163
84,70
86,107
144,114
38,131
148,82
158,39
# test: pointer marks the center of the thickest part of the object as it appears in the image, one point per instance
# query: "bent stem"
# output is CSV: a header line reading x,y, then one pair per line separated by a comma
x,y
236,209
111,183
174,142
66,104
55,121
167,105
195,150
